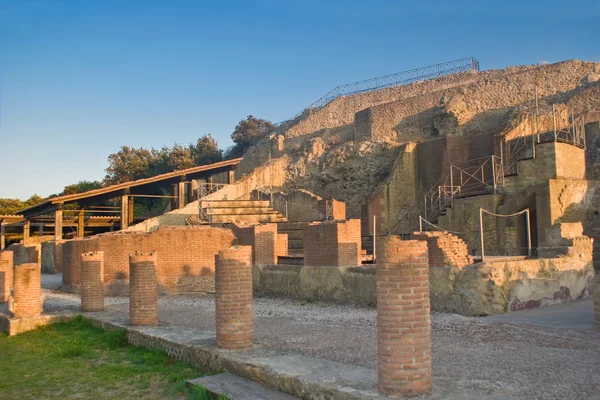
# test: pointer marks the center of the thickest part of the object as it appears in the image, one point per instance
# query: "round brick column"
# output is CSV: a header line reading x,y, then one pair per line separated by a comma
x,y
6,275
403,324
596,289
92,282
27,291
233,298
143,289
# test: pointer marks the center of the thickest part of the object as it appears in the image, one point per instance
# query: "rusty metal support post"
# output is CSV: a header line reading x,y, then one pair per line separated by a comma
x,y
528,231
481,233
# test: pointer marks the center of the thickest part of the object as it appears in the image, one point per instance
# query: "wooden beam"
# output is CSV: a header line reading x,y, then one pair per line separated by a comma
x,y
58,224
26,229
124,212
81,225
130,210
230,176
180,194
2,236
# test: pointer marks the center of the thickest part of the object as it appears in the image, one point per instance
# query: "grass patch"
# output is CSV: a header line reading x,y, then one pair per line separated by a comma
x,y
75,360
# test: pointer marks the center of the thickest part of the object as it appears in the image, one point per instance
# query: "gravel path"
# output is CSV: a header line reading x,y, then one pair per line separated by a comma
x,y
527,361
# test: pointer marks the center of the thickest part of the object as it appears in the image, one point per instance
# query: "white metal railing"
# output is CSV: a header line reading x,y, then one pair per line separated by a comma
x,y
277,201
206,188
480,176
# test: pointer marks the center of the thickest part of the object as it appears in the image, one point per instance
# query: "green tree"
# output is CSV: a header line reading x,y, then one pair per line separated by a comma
x,y
206,151
247,133
10,206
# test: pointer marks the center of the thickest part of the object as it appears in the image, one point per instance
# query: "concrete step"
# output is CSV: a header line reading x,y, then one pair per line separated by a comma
x,y
235,203
237,388
239,211
250,218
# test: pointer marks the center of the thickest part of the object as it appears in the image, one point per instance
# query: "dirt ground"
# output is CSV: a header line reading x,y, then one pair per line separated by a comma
x,y
533,360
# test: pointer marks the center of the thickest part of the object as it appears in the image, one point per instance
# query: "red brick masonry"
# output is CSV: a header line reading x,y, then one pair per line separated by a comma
x,y
234,298
143,289
27,291
6,274
92,285
403,324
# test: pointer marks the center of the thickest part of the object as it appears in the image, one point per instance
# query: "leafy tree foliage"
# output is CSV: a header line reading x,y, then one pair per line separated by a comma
x,y
247,133
10,206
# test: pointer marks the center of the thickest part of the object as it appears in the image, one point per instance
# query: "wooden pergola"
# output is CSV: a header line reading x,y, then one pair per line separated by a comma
x,y
51,213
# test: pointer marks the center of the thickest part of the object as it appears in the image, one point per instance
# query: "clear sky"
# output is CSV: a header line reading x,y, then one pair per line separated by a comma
x,y
80,78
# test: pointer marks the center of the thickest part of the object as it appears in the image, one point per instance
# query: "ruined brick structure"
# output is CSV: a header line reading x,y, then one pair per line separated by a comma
x,y
233,298
143,289
333,243
92,283
266,243
445,249
186,257
6,274
403,326
27,298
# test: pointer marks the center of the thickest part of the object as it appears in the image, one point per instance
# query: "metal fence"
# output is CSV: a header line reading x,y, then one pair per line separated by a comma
x,y
397,79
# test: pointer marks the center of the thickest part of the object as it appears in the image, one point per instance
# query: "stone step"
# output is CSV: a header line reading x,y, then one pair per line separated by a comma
x,y
295,243
250,218
237,388
239,211
235,203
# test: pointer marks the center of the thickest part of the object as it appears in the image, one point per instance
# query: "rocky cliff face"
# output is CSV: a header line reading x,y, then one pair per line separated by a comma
x,y
347,149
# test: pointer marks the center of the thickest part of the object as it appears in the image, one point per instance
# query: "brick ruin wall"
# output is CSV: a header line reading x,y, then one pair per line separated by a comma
x,y
444,249
186,257
333,243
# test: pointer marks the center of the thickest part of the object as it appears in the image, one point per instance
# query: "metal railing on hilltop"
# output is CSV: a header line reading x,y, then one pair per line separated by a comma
x,y
397,79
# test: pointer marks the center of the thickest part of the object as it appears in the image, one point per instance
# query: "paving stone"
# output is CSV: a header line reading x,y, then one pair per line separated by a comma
x,y
237,388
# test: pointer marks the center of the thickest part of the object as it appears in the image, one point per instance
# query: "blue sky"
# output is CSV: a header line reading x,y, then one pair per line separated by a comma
x,y
79,79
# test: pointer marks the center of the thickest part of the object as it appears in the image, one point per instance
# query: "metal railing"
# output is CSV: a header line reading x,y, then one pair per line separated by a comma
x,y
277,201
205,189
480,176
542,125
397,79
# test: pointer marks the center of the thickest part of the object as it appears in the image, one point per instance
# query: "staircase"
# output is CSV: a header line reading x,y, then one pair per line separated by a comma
x,y
295,232
238,211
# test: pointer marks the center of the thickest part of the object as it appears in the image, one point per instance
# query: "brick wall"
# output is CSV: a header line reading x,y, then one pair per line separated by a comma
x,y
233,298
333,243
27,291
143,288
266,243
338,209
6,274
403,325
445,249
186,262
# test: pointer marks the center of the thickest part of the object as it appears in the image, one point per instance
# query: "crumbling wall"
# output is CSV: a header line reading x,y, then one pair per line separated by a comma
x,y
444,249
186,257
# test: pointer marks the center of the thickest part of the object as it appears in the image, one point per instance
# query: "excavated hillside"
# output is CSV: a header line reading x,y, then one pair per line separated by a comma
x,y
348,148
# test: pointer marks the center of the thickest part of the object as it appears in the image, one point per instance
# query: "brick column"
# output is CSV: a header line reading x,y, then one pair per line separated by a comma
x,y
233,285
596,288
6,275
143,289
403,325
92,282
27,298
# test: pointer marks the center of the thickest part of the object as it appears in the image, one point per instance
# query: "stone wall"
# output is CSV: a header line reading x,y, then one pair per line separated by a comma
x,y
186,257
476,289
